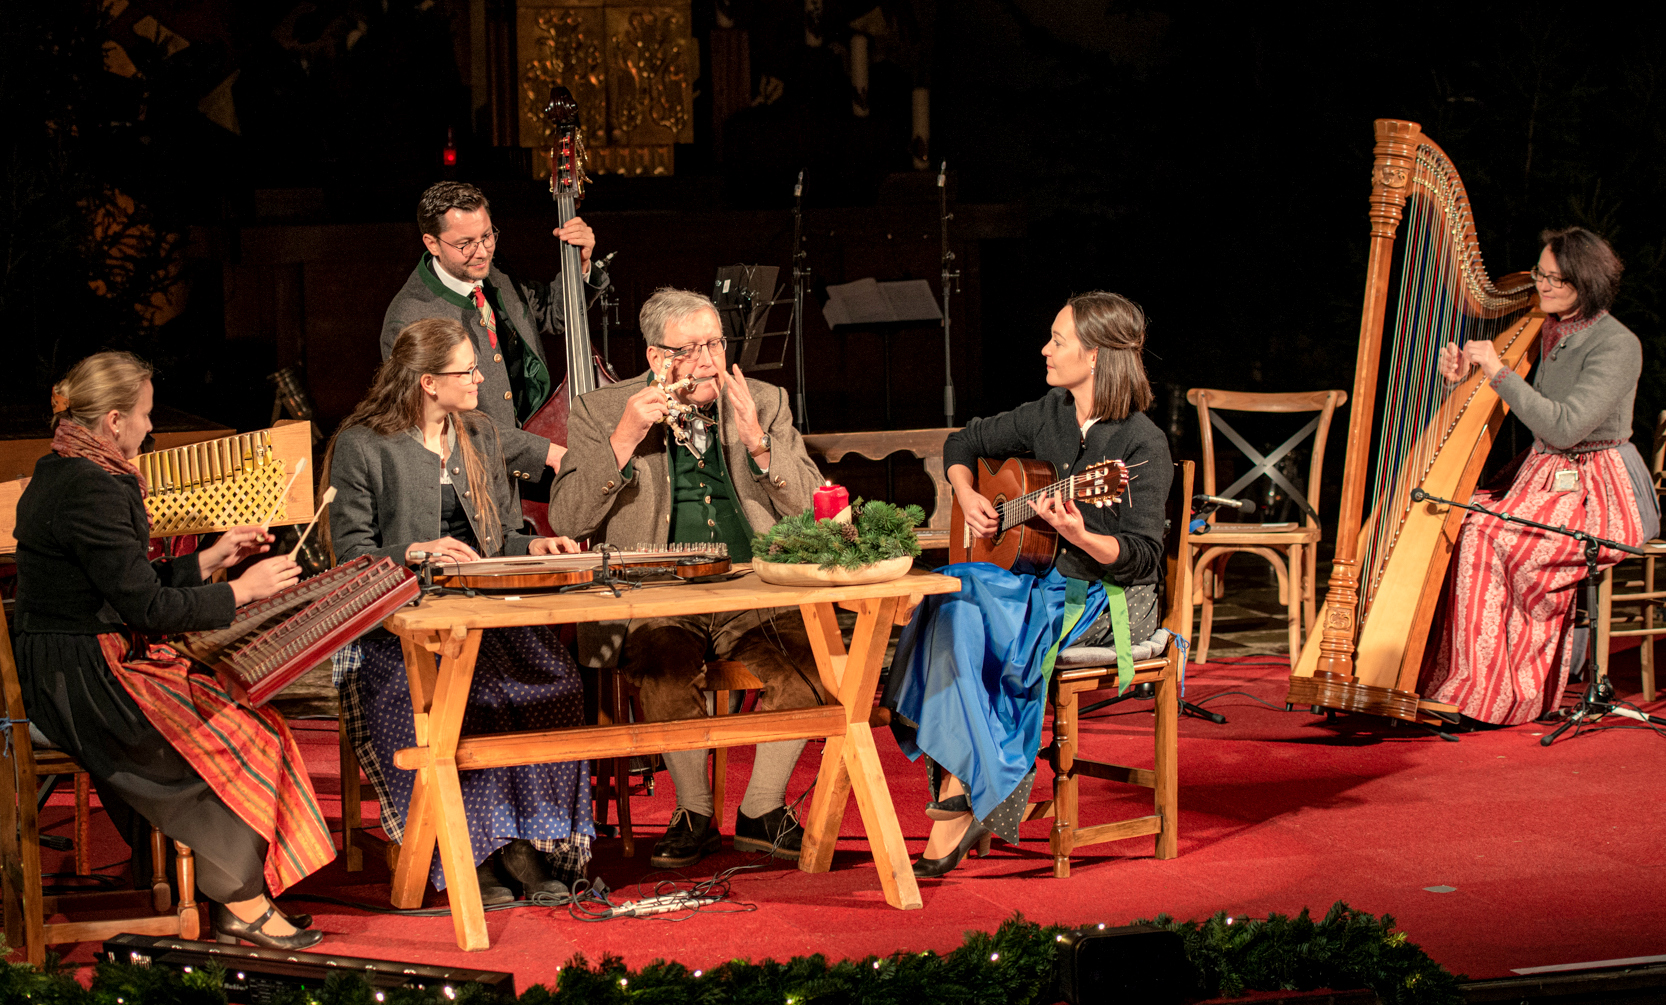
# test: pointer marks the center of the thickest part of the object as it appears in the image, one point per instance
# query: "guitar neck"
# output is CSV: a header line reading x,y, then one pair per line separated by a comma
x,y
1017,510
581,372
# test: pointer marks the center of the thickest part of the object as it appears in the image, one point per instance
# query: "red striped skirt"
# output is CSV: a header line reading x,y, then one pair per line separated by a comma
x,y
1505,650
247,756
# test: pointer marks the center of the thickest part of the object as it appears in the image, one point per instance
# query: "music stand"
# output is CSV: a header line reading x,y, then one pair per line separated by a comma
x,y
744,295
1598,699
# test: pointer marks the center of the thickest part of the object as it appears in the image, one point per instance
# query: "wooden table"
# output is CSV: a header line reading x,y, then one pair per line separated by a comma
x,y
451,627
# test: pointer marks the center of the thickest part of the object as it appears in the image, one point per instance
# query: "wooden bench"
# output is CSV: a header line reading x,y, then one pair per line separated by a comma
x,y
926,444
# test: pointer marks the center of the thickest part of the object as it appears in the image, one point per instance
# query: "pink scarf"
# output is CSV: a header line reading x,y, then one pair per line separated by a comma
x,y
71,439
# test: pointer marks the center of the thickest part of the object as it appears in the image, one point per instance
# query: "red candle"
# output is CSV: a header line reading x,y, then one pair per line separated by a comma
x,y
830,500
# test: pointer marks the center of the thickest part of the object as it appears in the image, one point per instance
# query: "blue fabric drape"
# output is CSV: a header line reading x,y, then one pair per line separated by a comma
x,y
969,672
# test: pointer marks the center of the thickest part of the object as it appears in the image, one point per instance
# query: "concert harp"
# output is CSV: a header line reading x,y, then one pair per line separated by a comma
x,y
1369,641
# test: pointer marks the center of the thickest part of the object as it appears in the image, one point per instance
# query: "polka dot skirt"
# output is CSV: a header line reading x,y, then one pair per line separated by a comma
x,y
524,679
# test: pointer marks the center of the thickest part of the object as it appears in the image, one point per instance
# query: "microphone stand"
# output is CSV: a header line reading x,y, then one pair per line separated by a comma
x,y
951,280
801,276
1598,699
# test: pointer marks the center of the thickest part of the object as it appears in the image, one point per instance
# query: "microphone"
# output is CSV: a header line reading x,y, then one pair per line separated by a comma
x,y
1418,495
1244,506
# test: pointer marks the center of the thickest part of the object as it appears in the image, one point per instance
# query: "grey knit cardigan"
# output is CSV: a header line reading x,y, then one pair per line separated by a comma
x,y
1584,389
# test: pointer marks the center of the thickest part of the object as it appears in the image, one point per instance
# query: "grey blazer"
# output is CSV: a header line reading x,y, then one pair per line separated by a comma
x,y
1583,391
388,492
528,310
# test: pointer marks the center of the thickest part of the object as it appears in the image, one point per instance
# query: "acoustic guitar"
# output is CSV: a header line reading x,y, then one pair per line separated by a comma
x,y
1023,542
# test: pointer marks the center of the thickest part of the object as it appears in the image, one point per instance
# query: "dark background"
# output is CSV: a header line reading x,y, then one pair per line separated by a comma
x,y
1211,163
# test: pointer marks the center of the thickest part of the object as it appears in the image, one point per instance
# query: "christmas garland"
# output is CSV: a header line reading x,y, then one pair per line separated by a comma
x,y
877,531
1014,964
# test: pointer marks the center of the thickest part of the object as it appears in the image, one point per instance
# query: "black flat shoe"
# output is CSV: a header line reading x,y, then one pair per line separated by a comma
x,y
229,928
296,920
948,809
492,890
977,834
776,832
530,867
687,838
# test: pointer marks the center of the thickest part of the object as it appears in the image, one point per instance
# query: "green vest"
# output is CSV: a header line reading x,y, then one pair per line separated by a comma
x,y
703,505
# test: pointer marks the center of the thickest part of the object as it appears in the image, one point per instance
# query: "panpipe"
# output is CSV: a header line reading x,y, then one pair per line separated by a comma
x,y
1367,650
545,572
271,642
234,481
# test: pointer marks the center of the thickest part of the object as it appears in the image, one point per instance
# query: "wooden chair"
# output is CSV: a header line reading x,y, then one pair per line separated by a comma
x,y
1643,593
1075,676
722,678
926,444
1290,549
26,907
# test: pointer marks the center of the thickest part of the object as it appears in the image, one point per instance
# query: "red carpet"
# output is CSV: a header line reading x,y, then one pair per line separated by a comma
x,y
1553,855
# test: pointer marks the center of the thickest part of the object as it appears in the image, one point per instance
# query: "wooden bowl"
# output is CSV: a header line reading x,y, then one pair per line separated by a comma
x,y
783,574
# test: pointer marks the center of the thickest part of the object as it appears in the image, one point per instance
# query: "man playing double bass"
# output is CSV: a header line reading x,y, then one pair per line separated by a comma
x,y
456,279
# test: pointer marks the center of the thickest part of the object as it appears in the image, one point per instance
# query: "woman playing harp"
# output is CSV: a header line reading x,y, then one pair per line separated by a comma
x,y
1507,645
159,737
419,472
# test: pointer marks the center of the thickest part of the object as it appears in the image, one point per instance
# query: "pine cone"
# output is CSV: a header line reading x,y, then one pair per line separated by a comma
x,y
848,532
776,549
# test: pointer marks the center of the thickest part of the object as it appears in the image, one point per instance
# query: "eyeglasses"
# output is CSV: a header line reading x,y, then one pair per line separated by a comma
x,y
715,347
468,375
1540,276
468,248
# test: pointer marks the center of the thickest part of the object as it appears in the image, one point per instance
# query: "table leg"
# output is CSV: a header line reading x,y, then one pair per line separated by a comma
x,y
850,763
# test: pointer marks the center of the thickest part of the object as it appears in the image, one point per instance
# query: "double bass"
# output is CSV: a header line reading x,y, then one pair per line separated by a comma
x,y
585,368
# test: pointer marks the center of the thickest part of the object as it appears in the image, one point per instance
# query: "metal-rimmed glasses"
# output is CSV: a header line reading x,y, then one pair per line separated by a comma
x,y
1541,276
468,375
715,347
468,248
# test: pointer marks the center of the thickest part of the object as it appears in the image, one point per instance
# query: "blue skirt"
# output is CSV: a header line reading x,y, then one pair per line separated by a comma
x,y
524,678
968,675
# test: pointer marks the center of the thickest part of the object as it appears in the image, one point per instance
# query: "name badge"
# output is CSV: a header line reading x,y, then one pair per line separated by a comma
x,y
1566,480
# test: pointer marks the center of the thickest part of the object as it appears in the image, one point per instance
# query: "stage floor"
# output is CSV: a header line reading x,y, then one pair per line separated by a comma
x,y
1493,853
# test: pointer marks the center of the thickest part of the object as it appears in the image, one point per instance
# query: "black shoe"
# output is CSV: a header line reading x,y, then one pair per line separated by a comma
x,y
948,809
296,920
229,928
492,888
688,837
531,868
775,831
977,834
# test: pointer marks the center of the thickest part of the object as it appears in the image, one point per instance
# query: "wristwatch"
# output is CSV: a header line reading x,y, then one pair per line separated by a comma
x,y
763,447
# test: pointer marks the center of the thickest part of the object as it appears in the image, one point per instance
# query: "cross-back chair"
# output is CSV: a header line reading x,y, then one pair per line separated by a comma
x,y
1642,593
1081,670
1291,548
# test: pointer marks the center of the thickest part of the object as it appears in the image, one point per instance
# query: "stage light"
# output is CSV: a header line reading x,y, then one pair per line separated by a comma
x,y
1136,963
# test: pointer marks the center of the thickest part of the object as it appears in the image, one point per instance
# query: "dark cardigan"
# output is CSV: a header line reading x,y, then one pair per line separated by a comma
x,y
1047,430
81,560
388,492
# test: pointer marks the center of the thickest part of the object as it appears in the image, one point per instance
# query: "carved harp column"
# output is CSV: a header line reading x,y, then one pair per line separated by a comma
x,y
1390,173
630,66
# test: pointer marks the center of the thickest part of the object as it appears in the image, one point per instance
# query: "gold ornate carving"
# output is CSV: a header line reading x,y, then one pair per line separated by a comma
x,y
631,66
1338,619
1392,177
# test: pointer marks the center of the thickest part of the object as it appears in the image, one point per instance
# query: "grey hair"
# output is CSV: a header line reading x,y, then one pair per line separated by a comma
x,y
669,304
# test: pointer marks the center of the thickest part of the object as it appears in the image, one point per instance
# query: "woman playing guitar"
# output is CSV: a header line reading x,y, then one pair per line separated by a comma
x,y
969,681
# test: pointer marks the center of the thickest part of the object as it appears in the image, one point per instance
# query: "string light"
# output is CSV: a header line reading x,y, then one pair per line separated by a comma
x,y
697,973
994,956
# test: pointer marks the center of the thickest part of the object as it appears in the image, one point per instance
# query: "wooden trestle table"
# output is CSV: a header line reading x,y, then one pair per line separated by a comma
x,y
441,638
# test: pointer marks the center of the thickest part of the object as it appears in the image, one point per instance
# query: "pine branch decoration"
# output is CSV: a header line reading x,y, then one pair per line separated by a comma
x,y
878,531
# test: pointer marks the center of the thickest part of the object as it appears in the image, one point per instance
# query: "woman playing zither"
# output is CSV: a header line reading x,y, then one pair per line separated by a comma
x,y
418,472
969,682
1504,653
159,737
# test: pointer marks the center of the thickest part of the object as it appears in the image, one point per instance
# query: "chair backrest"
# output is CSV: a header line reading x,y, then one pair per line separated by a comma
x,y
1209,401
1177,550
1658,462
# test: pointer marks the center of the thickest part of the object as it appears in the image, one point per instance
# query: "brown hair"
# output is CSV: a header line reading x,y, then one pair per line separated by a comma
x,y
443,197
1114,327
1588,264
98,385
394,405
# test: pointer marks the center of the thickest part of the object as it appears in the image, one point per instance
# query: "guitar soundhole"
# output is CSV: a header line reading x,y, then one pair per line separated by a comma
x,y
1000,527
